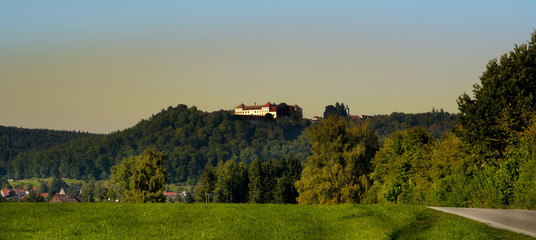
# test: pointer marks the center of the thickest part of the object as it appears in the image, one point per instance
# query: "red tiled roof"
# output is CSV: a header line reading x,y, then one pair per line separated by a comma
x,y
16,192
5,192
272,107
252,107
170,194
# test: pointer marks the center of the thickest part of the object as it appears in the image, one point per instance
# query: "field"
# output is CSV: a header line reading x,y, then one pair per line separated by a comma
x,y
235,221
35,181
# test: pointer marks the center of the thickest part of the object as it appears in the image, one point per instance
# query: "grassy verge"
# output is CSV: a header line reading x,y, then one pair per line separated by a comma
x,y
235,221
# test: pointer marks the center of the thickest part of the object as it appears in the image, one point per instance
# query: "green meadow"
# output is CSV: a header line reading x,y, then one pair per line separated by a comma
x,y
236,221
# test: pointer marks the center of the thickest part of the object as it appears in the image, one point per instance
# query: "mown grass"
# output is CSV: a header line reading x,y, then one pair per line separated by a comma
x,y
235,221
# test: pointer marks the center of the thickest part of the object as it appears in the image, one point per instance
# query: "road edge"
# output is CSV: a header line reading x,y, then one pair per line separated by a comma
x,y
487,222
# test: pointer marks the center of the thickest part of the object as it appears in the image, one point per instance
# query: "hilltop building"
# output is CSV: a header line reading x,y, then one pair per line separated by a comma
x,y
268,110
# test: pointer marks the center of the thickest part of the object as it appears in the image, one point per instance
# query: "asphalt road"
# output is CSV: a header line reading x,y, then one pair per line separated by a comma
x,y
520,221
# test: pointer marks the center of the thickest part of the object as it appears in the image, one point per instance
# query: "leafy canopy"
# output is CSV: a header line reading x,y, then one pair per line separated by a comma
x,y
141,179
503,103
337,170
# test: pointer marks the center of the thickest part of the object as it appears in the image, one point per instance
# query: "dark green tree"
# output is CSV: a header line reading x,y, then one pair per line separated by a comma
x,y
231,184
285,191
204,189
4,183
502,104
33,196
56,185
256,183
43,187
282,110
330,109
89,190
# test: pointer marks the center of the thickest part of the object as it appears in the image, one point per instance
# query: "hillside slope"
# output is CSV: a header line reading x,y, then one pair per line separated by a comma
x,y
192,139
15,140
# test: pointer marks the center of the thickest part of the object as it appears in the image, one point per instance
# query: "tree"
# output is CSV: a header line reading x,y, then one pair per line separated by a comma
x,y
142,178
502,104
4,183
205,186
33,196
43,187
401,165
256,183
522,156
56,185
282,110
89,190
231,184
285,191
330,109
337,170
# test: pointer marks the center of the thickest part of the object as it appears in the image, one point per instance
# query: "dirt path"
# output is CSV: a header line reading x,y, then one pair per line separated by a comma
x,y
520,221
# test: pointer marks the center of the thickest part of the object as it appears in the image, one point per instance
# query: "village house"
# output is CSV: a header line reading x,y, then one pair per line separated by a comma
x,y
14,193
58,198
64,196
261,111
174,195
171,195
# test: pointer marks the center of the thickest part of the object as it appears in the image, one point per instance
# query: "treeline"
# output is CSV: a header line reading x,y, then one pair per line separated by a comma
x,y
191,138
14,141
436,123
269,182
490,159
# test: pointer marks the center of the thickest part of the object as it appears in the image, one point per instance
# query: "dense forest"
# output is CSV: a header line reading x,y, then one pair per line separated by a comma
x,y
436,122
191,138
15,140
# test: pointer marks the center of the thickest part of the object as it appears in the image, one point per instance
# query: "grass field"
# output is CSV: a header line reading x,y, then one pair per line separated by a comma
x,y
235,221
35,181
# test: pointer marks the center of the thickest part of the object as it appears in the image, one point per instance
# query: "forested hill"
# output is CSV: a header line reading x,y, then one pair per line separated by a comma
x,y
191,138
436,123
15,140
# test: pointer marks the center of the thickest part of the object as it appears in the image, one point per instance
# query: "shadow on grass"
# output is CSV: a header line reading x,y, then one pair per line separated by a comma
x,y
419,224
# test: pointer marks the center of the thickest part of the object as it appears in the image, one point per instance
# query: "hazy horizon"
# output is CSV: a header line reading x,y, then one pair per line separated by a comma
x,y
103,66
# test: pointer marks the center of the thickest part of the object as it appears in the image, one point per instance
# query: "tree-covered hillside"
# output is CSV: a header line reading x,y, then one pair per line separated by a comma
x,y
15,140
191,138
436,123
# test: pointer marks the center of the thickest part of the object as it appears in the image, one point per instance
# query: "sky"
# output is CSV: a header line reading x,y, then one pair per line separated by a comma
x,y
102,66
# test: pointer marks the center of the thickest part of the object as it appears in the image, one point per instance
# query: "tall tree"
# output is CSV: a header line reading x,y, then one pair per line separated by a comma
x,y
89,190
231,184
256,183
330,109
399,165
337,170
503,102
56,185
204,189
142,178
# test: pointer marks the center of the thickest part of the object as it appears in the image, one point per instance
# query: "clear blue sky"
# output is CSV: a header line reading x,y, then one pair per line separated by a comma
x,y
102,66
